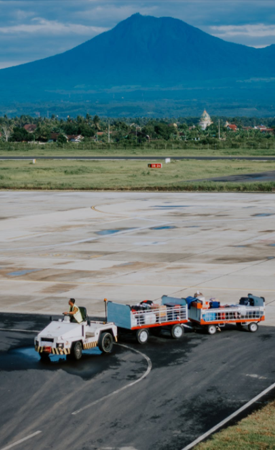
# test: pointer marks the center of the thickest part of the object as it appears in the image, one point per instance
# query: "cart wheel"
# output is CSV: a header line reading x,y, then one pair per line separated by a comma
x,y
142,336
106,342
177,331
253,327
76,350
211,329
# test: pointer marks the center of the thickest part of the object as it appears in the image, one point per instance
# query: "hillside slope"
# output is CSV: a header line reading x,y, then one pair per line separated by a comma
x,y
140,53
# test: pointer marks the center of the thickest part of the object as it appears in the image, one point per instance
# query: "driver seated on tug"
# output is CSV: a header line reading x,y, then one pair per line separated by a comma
x,y
74,313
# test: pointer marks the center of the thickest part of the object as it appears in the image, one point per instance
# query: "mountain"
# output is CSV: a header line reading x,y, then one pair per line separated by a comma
x,y
156,57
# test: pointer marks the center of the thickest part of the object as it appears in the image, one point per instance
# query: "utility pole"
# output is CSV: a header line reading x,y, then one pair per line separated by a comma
x,y
108,132
219,129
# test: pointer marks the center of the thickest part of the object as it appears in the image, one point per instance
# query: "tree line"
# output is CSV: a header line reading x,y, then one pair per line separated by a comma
x,y
137,131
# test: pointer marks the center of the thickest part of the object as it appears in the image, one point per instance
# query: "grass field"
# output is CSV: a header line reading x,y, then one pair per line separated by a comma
x,y
128,175
255,432
21,149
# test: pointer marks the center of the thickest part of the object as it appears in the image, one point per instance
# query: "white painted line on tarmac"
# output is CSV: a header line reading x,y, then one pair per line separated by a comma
x,y
102,283
22,440
82,241
20,330
227,419
149,368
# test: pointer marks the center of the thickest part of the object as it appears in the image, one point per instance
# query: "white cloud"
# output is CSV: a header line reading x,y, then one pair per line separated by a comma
x,y
41,26
115,13
258,30
5,64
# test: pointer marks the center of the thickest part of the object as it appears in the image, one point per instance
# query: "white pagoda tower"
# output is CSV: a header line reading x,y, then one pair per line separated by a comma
x,y
205,120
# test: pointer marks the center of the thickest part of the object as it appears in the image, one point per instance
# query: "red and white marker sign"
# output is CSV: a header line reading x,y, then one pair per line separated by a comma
x,y
155,166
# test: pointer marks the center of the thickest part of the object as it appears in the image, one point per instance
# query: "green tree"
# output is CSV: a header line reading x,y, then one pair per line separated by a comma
x,y
61,139
96,121
86,130
19,135
42,133
164,131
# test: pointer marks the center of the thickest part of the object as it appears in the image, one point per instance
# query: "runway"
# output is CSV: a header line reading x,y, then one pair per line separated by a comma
x,y
194,384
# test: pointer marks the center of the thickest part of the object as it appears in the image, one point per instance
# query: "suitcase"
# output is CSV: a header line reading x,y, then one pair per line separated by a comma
x,y
189,300
215,304
256,301
245,301
209,317
150,319
171,314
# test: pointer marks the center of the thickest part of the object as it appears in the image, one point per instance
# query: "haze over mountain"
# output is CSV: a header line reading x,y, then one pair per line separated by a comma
x,y
158,58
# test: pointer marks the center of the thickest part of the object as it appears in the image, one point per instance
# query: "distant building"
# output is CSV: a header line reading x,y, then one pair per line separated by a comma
x,y
74,138
231,126
205,120
30,127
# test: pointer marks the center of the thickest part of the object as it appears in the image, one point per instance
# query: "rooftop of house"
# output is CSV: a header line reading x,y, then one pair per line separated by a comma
x,y
30,127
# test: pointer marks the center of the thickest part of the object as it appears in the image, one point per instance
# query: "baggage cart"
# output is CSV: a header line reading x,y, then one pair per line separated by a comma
x,y
213,318
171,314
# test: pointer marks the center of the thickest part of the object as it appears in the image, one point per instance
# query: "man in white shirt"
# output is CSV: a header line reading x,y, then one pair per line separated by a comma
x,y
74,312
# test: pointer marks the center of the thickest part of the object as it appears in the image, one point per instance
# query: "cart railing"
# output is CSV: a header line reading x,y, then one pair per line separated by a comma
x,y
158,316
232,314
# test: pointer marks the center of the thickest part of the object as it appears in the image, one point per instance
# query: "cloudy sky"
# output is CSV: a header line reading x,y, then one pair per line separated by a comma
x,y
35,29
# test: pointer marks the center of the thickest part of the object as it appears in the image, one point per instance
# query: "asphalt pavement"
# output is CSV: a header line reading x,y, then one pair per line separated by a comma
x,y
194,383
244,178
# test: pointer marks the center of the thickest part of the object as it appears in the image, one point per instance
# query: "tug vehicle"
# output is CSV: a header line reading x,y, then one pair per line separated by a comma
x,y
63,337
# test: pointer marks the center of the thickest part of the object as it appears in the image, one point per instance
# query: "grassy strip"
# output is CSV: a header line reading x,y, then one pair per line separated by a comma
x,y
130,175
21,149
255,432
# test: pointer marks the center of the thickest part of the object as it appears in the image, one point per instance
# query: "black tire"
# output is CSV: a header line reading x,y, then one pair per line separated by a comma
x,y
76,351
142,336
106,342
253,327
211,329
177,331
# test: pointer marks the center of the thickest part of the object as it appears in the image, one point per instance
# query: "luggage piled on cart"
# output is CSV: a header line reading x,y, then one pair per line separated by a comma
x,y
148,316
212,316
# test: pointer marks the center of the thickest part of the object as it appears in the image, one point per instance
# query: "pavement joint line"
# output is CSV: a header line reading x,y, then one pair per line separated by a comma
x,y
230,273
18,330
21,440
28,301
110,213
227,419
148,370
82,241
144,285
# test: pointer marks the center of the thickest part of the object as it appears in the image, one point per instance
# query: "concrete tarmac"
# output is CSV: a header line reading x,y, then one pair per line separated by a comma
x,y
195,383
128,247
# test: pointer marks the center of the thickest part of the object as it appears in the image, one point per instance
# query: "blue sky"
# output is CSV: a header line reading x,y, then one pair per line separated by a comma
x,y
35,29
